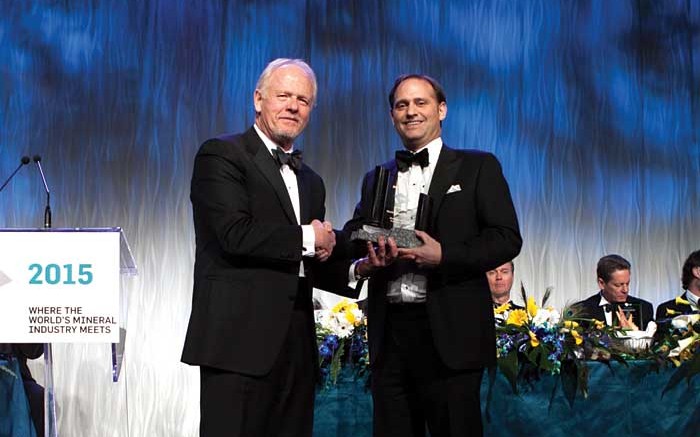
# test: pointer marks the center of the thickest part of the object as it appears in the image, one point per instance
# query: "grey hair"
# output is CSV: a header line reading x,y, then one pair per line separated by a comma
x,y
283,62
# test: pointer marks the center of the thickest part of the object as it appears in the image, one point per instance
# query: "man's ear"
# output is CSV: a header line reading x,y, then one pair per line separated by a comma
x,y
696,272
442,110
257,101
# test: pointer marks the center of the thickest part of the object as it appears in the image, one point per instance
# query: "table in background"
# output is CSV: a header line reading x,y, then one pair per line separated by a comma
x,y
622,401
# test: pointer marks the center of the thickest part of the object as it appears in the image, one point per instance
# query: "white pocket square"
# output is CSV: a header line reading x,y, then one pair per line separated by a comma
x,y
454,189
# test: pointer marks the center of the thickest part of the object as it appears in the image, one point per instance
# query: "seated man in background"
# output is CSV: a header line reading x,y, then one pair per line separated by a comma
x,y
612,303
34,392
686,303
500,283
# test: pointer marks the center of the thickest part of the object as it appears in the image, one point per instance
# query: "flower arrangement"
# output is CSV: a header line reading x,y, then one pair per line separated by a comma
x,y
530,342
678,343
538,340
341,336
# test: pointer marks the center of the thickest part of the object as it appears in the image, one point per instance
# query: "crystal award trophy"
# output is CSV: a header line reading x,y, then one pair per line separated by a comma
x,y
380,220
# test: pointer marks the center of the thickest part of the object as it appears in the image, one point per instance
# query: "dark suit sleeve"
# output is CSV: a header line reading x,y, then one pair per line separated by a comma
x,y
332,275
498,240
661,310
221,197
647,313
358,249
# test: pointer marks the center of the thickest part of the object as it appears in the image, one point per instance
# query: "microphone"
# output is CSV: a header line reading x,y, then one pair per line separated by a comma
x,y
47,210
23,162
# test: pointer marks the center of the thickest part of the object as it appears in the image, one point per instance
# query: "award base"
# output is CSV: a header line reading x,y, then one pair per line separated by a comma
x,y
405,238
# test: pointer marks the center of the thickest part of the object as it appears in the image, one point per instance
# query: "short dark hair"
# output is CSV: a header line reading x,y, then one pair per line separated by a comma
x,y
690,263
439,92
609,264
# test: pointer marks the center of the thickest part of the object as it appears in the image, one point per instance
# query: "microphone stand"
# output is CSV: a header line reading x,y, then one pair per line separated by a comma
x,y
23,162
50,422
47,210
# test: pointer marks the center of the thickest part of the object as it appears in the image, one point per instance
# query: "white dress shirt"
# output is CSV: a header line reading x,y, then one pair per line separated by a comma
x,y
608,313
290,181
411,286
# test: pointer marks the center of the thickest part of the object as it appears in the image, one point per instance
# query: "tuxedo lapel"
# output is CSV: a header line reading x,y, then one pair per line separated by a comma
x,y
391,193
443,176
304,183
270,169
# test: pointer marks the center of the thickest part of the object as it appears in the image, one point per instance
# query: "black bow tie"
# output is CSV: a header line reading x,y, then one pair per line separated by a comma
x,y
613,307
293,160
405,159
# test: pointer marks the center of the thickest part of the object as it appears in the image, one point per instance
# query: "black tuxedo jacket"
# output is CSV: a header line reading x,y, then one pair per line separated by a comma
x,y
590,309
248,249
671,304
477,228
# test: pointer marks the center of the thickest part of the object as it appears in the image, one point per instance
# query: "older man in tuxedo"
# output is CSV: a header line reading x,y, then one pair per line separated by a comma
x,y
258,213
500,284
613,304
430,315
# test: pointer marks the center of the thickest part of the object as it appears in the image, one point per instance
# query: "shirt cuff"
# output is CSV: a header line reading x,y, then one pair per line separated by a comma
x,y
308,239
355,281
353,278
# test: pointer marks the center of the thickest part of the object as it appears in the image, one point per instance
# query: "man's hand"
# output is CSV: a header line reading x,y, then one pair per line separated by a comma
x,y
624,321
325,239
428,255
385,254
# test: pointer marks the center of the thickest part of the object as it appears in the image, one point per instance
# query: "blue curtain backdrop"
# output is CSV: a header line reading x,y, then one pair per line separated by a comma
x,y
593,108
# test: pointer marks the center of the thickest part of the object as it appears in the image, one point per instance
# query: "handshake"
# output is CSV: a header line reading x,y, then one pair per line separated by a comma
x,y
325,239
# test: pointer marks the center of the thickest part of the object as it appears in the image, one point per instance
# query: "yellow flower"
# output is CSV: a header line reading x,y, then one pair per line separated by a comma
x,y
570,324
502,308
344,305
670,312
599,324
577,337
681,301
350,316
533,339
531,306
517,318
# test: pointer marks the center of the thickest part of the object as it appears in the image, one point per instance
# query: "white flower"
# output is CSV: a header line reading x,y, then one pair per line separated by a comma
x,y
682,321
336,323
544,315
682,344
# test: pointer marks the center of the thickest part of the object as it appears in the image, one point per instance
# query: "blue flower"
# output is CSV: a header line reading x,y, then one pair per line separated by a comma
x,y
325,352
332,342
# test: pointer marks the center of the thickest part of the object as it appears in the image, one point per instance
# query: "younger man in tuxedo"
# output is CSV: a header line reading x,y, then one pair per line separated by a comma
x,y
430,315
688,302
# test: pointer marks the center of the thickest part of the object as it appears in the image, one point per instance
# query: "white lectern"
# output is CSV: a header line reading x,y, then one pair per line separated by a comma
x,y
62,285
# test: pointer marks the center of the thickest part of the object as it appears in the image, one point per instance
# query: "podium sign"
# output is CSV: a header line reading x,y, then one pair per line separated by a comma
x,y
59,287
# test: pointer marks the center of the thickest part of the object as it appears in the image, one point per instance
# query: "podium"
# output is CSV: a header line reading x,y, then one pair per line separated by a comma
x,y
63,285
